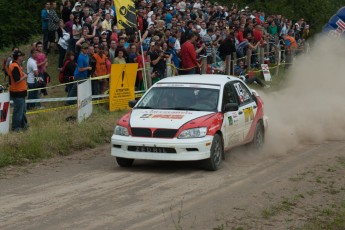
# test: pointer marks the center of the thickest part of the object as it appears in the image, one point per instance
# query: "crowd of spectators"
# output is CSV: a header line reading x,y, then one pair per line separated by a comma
x,y
87,37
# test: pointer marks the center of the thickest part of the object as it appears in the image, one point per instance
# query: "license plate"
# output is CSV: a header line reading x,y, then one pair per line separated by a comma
x,y
148,149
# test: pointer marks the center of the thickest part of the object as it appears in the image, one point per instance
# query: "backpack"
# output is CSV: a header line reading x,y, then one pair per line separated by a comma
x,y
62,73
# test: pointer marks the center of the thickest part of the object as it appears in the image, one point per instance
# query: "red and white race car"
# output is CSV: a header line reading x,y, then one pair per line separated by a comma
x,y
189,118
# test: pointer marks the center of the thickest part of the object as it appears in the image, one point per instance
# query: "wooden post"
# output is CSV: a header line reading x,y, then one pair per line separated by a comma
x,y
203,65
248,58
168,69
227,64
234,63
148,75
262,55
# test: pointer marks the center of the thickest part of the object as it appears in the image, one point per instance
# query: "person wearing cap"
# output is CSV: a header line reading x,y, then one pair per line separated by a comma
x,y
81,71
176,61
18,92
158,61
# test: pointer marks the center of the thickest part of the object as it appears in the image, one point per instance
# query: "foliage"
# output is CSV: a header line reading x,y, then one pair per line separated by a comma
x,y
20,20
316,12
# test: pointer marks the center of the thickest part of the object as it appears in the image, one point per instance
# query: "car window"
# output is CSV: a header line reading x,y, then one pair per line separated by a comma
x,y
229,95
181,98
244,95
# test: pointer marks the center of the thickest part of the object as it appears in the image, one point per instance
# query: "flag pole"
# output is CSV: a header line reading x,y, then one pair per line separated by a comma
x,y
144,67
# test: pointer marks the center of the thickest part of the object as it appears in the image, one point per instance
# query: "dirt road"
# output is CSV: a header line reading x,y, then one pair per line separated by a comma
x,y
251,191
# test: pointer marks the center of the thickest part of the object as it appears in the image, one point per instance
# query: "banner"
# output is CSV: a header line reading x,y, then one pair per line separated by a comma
x,y
84,100
266,72
4,113
122,85
125,14
336,24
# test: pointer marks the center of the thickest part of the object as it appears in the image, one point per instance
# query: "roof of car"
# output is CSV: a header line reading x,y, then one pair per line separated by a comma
x,y
201,79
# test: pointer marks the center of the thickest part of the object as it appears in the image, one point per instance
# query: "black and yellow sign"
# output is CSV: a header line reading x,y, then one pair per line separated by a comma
x,y
125,14
122,85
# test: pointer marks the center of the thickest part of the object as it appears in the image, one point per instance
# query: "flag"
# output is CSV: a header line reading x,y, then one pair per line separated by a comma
x,y
125,14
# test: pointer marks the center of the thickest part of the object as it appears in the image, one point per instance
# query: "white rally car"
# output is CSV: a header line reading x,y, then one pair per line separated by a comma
x,y
189,118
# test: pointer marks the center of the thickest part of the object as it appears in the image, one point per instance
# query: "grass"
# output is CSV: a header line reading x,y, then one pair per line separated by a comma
x,y
50,134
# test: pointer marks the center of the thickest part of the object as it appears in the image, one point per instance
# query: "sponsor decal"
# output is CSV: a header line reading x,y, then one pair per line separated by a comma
x,y
4,111
231,121
338,31
248,114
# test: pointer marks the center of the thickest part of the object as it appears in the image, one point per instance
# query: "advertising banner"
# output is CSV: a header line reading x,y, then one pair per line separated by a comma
x,y
84,100
266,72
4,113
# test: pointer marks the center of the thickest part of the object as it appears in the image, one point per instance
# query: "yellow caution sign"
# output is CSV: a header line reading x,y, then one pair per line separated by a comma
x,y
122,85
126,14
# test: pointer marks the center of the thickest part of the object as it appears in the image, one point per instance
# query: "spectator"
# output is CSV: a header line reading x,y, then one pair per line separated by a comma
x,y
158,60
240,71
52,24
66,11
18,92
100,70
44,21
63,41
76,33
81,71
32,71
120,59
112,50
188,55
68,71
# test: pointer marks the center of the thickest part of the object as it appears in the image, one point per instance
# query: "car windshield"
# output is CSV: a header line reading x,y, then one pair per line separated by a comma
x,y
181,98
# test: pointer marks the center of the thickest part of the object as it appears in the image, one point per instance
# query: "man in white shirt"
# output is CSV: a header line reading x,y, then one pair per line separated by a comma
x,y
32,71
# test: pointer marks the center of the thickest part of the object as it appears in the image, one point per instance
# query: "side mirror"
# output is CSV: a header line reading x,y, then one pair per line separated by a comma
x,y
229,107
132,103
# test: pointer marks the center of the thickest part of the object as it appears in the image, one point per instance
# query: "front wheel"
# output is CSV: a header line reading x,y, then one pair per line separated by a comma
x,y
217,152
124,162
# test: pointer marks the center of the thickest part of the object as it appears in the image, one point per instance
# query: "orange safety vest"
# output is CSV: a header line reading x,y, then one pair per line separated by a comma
x,y
19,86
293,42
101,67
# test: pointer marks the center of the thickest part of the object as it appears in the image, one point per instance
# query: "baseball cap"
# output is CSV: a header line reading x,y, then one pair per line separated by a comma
x,y
77,4
104,32
17,53
84,45
172,40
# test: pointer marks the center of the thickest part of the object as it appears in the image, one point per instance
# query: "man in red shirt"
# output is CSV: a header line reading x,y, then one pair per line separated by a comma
x,y
188,55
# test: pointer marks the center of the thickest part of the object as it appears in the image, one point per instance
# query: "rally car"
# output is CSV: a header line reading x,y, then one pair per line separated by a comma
x,y
190,118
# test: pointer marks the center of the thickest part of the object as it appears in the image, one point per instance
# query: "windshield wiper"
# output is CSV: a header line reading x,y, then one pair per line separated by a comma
x,y
144,107
181,108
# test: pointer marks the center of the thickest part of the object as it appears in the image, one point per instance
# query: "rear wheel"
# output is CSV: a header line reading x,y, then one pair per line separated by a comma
x,y
124,162
259,136
217,152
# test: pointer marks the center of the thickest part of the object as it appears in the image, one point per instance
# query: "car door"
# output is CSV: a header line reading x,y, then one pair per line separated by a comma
x,y
247,107
233,133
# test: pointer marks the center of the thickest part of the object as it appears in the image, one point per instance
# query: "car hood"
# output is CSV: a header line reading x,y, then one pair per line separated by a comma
x,y
166,119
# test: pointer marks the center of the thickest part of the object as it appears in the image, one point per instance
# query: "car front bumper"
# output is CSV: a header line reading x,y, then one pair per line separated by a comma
x,y
154,148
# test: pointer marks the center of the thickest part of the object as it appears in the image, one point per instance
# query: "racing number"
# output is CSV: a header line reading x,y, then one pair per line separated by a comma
x,y
248,114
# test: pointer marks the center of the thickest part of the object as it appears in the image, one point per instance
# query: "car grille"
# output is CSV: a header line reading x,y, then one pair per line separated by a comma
x,y
158,133
148,149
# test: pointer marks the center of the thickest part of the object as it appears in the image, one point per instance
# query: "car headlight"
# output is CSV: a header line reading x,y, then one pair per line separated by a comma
x,y
121,131
193,133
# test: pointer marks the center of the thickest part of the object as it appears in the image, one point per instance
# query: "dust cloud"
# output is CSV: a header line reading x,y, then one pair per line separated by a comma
x,y
310,107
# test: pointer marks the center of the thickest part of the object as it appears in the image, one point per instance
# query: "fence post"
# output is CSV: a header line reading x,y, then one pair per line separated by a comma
x,y
168,69
148,75
248,58
262,55
234,63
227,64
203,65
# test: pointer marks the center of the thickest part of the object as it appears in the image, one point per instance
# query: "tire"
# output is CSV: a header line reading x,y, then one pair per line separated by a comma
x,y
217,152
259,137
124,162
